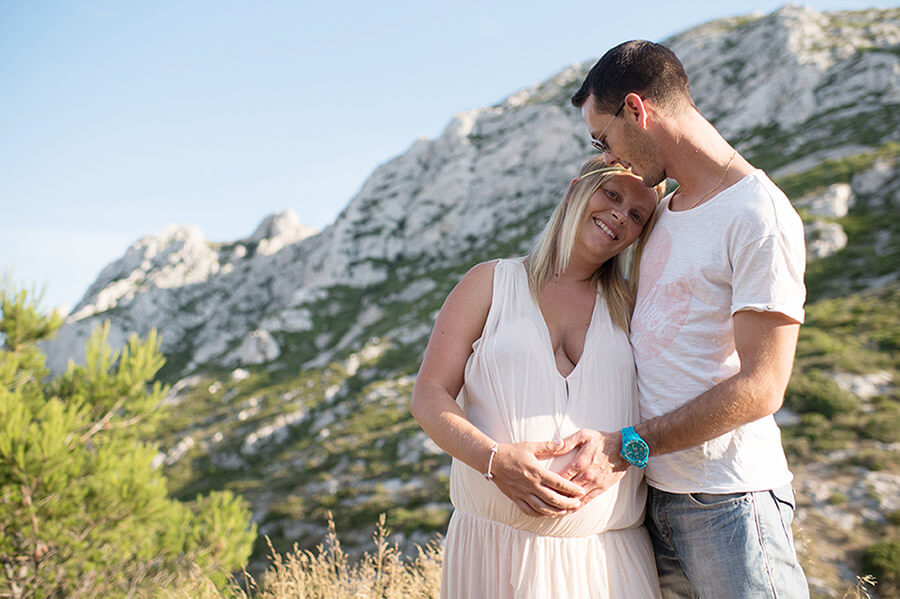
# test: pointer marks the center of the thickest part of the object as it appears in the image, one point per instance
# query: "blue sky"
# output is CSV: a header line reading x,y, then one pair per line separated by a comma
x,y
119,118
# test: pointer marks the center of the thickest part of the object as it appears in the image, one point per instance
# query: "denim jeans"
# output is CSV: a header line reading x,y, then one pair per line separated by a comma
x,y
716,546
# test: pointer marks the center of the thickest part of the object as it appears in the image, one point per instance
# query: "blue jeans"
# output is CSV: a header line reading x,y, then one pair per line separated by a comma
x,y
716,546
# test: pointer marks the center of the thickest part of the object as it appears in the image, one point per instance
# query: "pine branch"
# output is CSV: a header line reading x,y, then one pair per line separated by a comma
x,y
103,422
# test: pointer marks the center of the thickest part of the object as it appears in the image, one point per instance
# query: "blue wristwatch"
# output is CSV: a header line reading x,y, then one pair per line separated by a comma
x,y
634,449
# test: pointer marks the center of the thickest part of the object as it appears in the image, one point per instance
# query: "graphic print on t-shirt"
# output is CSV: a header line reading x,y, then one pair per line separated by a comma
x,y
661,308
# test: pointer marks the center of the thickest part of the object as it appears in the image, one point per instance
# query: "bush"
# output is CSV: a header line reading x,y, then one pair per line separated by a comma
x,y
816,393
884,424
815,433
838,498
82,511
875,459
883,561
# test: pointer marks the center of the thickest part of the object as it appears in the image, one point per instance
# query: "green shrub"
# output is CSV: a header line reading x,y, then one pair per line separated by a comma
x,y
884,423
838,498
883,561
816,393
875,460
82,511
816,433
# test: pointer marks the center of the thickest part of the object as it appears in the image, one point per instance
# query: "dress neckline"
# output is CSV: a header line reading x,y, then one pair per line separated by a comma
x,y
548,341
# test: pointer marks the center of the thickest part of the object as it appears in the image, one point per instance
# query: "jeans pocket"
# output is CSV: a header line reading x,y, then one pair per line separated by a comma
x,y
786,504
785,496
714,500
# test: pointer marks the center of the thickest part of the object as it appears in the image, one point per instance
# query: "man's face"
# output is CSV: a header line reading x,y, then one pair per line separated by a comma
x,y
627,145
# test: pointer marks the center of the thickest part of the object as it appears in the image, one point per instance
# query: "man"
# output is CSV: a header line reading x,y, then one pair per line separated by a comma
x,y
720,301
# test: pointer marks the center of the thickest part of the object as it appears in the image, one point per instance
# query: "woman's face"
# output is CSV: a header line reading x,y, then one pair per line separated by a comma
x,y
616,214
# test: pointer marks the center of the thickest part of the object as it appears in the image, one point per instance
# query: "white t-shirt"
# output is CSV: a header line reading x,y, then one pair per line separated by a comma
x,y
741,250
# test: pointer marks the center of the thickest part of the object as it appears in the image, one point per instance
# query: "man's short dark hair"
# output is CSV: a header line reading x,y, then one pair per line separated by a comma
x,y
639,66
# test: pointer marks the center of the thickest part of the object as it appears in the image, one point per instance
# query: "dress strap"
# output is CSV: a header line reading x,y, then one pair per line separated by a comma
x,y
510,281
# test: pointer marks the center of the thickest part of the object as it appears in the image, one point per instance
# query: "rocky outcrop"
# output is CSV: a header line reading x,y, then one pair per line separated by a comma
x,y
257,348
177,257
202,297
764,75
832,202
823,239
279,230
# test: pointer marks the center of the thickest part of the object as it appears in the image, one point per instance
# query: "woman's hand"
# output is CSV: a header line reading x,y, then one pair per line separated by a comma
x,y
536,490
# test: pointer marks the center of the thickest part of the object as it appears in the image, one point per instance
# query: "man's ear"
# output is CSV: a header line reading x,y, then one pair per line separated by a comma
x,y
636,109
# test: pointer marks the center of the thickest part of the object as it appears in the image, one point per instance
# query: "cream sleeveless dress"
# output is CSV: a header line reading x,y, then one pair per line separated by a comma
x,y
514,392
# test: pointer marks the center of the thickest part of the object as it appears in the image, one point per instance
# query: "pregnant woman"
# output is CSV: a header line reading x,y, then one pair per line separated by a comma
x,y
525,352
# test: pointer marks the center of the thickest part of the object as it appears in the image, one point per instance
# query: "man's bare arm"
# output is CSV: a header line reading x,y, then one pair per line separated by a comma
x,y
765,343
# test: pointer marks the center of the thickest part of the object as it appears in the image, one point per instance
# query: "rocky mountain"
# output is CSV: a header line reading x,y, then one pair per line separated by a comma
x,y
292,353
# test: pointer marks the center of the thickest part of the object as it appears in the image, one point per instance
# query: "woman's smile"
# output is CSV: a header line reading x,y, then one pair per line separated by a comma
x,y
606,228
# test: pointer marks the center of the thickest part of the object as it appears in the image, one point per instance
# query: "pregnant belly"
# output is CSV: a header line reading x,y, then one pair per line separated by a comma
x,y
616,508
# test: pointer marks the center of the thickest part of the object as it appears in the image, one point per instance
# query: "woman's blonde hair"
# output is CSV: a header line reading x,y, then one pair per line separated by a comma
x,y
553,249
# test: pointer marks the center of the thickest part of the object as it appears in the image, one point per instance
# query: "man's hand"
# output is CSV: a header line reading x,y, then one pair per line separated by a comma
x,y
534,489
597,466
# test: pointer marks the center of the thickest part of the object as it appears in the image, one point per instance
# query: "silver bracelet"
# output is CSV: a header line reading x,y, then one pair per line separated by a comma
x,y
488,474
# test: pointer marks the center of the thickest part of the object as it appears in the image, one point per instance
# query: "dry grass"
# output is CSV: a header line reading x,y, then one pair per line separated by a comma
x,y
864,584
326,572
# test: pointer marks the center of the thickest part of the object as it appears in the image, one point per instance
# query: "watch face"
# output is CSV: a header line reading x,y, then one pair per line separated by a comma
x,y
636,451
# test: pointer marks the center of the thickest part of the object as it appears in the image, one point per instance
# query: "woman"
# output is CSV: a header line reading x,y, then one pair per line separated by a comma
x,y
524,353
